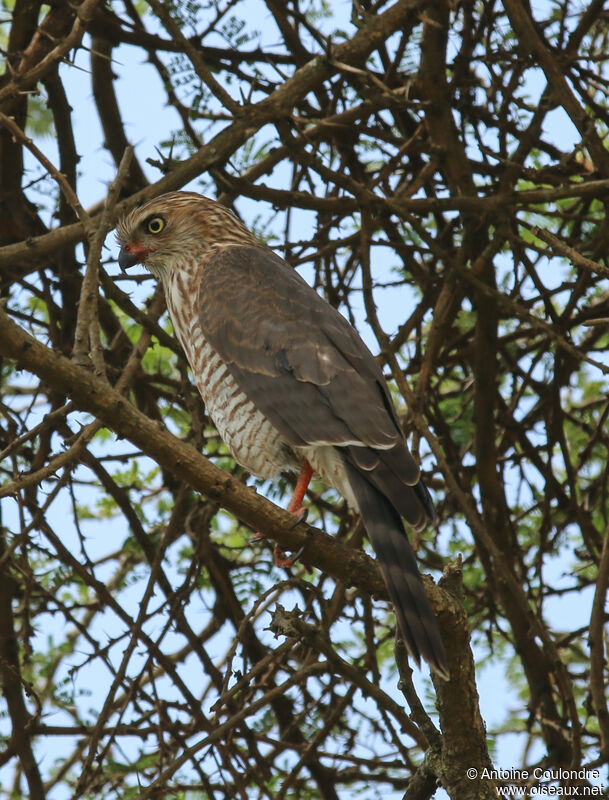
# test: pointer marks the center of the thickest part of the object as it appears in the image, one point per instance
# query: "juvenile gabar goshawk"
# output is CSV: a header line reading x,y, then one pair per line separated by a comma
x,y
288,383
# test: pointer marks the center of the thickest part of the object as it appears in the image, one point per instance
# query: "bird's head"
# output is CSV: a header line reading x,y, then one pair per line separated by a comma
x,y
176,229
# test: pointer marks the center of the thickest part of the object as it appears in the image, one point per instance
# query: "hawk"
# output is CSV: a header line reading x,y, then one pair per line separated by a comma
x,y
288,383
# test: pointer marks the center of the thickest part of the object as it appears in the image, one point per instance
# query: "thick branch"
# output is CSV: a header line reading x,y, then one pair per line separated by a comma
x,y
91,394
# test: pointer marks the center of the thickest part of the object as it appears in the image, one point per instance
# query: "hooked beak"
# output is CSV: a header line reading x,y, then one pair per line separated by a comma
x,y
130,255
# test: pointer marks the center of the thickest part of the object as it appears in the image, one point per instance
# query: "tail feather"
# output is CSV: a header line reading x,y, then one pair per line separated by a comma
x,y
394,473
399,567
422,493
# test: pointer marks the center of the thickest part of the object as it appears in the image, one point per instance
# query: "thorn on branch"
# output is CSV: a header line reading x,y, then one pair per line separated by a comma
x,y
286,623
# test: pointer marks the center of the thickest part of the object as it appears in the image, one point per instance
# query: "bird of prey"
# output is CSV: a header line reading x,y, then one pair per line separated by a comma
x,y
288,383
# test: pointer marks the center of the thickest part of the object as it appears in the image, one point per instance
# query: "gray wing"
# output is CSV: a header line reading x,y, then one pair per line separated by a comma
x,y
306,368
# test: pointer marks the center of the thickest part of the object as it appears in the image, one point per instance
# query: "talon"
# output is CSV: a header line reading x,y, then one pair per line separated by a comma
x,y
298,553
299,511
281,559
302,513
279,555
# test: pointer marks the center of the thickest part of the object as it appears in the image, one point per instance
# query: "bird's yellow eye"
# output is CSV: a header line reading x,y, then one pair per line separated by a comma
x,y
155,224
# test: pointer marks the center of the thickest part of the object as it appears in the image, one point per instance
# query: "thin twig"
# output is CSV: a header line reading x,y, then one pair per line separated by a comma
x,y
63,183
597,649
87,324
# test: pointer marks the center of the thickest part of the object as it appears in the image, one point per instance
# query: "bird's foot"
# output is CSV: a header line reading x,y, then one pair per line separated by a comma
x,y
279,555
283,560
301,514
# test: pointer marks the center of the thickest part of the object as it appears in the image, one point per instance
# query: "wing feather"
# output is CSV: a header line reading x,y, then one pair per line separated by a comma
x,y
298,360
306,369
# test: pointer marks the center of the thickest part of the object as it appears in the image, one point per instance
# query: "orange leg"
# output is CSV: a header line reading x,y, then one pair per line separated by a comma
x,y
295,507
302,484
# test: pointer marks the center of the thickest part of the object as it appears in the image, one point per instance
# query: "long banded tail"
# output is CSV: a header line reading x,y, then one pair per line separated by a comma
x,y
399,567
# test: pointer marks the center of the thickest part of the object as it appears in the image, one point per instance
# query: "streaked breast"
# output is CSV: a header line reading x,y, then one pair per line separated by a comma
x,y
249,436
